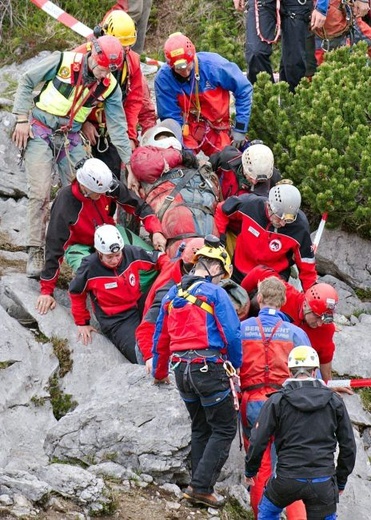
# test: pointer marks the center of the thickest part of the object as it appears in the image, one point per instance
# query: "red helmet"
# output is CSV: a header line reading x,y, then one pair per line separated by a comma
x,y
108,52
190,249
179,50
322,299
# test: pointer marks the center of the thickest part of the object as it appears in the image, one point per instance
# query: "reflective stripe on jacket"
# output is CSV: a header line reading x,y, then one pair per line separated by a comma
x,y
58,96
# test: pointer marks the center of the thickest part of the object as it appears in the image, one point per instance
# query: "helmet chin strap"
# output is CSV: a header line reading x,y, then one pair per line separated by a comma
x,y
210,275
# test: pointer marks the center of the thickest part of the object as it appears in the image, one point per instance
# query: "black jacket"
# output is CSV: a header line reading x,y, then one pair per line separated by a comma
x,y
307,420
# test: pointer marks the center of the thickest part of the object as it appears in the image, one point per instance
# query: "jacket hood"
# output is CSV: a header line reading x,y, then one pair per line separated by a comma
x,y
307,395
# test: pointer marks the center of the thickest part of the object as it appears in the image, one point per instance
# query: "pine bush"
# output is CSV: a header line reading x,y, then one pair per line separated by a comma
x,y
321,136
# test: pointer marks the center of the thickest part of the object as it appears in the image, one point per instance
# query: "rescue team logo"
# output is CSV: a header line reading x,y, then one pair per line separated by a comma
x,y
132,279
275,245
64,72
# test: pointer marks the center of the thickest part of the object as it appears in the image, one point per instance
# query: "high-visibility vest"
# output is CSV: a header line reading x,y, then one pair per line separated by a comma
x,y
58,95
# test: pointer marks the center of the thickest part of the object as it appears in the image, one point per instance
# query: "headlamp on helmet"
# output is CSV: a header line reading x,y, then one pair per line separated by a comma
x,y
108,240
179,51
284,201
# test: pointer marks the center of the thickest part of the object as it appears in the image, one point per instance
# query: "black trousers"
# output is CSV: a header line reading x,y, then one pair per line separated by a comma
x,y
320,498
205,391
294,30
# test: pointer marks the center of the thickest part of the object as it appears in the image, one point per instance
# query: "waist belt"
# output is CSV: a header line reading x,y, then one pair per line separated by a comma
x,y
197,356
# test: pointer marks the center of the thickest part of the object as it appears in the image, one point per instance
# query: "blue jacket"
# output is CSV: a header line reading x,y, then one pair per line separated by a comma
x,y
182,326
218,77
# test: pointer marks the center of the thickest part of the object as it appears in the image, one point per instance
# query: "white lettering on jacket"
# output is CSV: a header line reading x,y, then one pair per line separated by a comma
x,y
111,285
253,231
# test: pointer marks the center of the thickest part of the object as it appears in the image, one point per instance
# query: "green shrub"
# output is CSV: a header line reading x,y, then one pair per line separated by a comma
x,y
321,136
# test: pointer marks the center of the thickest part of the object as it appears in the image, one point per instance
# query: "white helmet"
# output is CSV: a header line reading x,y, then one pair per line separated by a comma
x,y
161,137
257,162
303,357
107,239
95,175
285,200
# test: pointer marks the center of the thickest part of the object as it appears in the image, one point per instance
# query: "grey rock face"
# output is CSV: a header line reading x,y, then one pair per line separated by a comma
x,y
345,256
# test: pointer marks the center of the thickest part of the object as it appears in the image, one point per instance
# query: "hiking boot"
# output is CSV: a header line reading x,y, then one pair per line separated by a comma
x,y
208,499
35,262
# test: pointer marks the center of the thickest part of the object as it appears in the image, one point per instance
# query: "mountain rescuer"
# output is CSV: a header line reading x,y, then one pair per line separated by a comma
x,y
168,277
198,329
194,89
77,211
274,232
252,171
111,278
312,311
135,92
307,421
267,341
47,130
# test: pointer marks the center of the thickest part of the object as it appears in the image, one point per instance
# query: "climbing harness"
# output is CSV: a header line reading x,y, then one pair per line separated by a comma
x,y
234,382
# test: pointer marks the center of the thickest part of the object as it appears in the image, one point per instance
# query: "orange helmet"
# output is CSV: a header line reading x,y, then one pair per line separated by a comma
x,y
179,51
191,248
322,299
108,52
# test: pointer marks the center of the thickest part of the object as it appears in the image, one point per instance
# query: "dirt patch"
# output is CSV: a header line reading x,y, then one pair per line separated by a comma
x,y
150,503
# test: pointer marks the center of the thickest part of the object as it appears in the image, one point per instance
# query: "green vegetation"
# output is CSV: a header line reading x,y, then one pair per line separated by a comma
x,y
110,504
234,511
321,136
61,403
365,394
63,353
38,401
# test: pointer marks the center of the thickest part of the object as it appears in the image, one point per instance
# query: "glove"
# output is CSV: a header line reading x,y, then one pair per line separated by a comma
x,y
237,139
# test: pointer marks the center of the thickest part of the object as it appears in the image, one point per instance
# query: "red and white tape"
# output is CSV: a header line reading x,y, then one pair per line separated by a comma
x,y
72,23
63,17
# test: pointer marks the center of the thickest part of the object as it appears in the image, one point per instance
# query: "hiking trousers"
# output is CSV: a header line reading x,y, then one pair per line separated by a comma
x,y
320,496
39,161
261,21
205,391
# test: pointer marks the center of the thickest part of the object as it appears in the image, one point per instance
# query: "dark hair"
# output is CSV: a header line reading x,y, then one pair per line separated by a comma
x,y
189,160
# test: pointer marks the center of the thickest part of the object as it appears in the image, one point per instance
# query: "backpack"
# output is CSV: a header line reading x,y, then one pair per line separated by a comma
x,y
184,200
339,20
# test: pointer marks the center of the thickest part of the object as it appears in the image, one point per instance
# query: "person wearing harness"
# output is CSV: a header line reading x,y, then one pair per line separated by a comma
x,y
135,92
198,329
167,278
194,89
47,130
111,277
312,310
77,211
308,421
289,20
266,343
274,232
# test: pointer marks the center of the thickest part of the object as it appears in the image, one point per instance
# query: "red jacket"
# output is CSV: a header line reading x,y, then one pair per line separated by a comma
x,y
112,291
258,242
321,338
170,275
73,220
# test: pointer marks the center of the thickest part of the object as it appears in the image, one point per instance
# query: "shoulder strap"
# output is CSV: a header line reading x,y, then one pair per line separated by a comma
x,y
177,188
193,299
